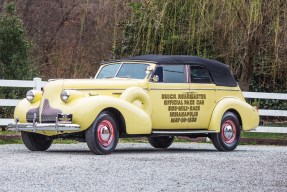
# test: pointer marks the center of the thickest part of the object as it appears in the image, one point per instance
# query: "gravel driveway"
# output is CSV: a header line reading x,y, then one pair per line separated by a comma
x,y
139,167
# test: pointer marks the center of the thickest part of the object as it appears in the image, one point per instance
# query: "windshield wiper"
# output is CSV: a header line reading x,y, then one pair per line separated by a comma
x,y
108,77
127,76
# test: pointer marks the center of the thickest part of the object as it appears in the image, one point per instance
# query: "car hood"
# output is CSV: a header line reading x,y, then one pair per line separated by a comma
x,y
86,84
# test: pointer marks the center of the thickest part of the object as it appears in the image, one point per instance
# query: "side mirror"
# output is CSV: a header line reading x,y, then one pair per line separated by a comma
x,y
155,78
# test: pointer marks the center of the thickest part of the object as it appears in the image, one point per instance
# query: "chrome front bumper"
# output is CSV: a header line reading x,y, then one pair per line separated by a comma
x,y
42,126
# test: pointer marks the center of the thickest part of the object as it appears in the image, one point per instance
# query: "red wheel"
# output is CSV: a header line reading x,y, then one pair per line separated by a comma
x,y
106,133
102,137
228,137
228,132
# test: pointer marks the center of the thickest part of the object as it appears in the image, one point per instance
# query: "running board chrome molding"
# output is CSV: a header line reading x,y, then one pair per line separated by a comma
x,y
183,132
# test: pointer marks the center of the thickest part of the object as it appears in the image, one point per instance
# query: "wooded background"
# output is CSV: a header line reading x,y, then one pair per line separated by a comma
x,y
69,38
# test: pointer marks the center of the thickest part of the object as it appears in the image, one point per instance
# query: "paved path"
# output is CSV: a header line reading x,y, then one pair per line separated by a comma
x,y
139,167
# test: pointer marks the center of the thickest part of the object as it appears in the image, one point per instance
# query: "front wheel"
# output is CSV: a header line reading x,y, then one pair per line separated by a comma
x,y
36,142
161,141
102,137
228,137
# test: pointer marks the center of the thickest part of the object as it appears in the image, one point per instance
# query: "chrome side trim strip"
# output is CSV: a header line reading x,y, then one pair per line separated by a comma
x,y
227,89
182,89
157,89
96,89
203,89
116,93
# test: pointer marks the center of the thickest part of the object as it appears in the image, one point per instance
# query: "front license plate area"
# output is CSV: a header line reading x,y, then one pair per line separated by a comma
x,y
64,118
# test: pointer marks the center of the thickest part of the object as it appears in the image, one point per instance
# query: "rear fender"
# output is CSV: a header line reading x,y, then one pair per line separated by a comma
x,y
249,116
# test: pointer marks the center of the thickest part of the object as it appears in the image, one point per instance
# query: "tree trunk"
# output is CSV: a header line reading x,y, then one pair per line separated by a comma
x,y
244,82
247,72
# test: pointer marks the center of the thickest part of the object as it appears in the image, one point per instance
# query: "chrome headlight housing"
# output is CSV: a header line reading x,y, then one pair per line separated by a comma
x,y
33,95
65,95
30,96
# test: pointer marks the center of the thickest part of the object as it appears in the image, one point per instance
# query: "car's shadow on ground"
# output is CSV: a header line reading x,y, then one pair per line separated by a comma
x,y
137,150
169,150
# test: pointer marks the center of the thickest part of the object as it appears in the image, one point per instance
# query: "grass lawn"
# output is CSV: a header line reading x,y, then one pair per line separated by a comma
x,y
264,135
19,141
11,141
9,133
275,136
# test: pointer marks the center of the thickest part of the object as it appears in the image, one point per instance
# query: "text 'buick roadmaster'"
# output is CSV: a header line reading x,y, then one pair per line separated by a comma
x,y
153,96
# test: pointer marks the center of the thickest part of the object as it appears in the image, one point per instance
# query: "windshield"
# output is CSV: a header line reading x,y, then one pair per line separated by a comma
x,y
123,70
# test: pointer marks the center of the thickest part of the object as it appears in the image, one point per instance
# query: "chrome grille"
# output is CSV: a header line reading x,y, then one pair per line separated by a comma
x,y
49,114
30,115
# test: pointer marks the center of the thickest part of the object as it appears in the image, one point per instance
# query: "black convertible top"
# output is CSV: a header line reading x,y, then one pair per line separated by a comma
x,y
220,72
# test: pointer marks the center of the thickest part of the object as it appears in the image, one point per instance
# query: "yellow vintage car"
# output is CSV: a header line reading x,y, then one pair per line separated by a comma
x,y
153,96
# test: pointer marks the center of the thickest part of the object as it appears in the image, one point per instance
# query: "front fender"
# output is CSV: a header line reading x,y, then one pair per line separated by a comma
x,y
86,109
249,116
23,107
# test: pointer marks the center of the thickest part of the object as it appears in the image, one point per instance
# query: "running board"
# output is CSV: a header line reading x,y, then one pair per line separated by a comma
x,y
183,132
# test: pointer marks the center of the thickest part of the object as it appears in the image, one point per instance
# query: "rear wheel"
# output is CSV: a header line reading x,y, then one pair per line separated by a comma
x,y
228,137
36,142
102,137
161,141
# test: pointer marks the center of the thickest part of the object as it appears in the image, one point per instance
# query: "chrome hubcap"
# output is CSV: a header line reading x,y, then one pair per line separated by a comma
x,y
105,133
228,132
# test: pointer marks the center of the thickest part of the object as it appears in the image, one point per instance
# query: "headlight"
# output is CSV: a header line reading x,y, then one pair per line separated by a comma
x,y
33,95
30,96
69,95
65,95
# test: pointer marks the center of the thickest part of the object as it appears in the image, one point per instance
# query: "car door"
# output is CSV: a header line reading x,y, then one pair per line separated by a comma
x,y
167,84
201,99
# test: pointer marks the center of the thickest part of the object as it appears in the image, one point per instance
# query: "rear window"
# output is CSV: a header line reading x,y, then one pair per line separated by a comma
x,y
199,75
